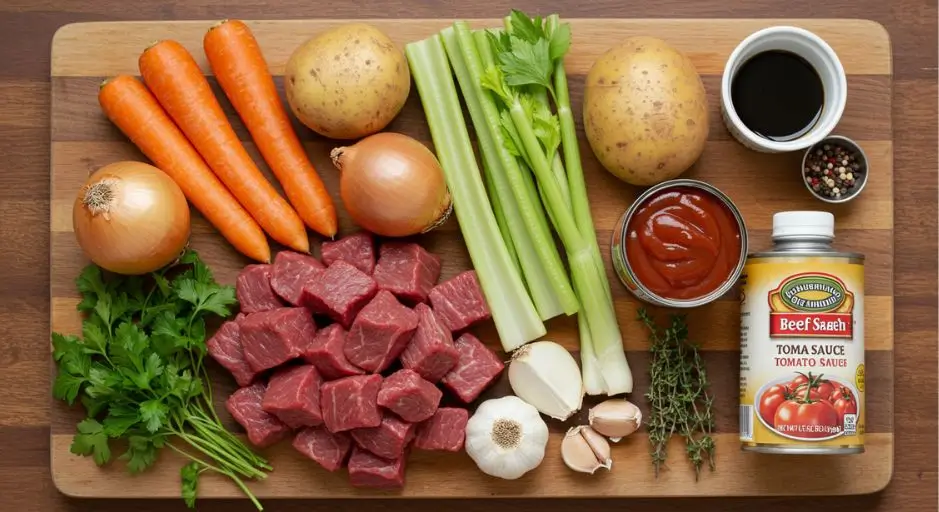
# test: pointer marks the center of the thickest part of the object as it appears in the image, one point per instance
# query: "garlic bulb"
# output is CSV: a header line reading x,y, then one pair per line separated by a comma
x,y
615,418
546,375
506,437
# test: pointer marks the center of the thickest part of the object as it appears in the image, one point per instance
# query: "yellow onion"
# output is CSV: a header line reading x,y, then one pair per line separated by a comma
x,y
131,218
392,185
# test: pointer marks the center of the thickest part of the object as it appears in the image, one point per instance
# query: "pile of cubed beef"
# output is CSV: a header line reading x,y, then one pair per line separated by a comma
x,y
351,355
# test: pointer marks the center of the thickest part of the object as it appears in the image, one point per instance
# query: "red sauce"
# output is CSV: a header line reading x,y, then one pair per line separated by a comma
x,y
683,243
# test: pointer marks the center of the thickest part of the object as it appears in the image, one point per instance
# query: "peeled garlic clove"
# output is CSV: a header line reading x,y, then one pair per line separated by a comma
x,y
615,418
585,451
545,375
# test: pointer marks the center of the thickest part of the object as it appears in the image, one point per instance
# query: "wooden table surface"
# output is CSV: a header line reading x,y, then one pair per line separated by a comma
x,y
27,27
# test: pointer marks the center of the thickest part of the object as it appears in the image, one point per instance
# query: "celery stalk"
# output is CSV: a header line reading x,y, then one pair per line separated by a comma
x,y
540,262
513,312
501,220
571,219
612,356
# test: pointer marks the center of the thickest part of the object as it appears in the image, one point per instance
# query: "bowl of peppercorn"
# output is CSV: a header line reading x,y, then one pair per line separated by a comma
x,y
835,169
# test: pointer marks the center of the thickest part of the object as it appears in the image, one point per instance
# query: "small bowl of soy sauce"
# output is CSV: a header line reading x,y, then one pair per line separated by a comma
x,y
783,89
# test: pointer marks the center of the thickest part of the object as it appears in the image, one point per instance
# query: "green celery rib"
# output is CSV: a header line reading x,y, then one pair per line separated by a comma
x,y
593,380
513,312
609,352
488,58
590,281
539,259
500,217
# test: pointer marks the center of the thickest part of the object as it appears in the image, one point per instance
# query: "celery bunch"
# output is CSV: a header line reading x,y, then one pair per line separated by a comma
x,y
515,88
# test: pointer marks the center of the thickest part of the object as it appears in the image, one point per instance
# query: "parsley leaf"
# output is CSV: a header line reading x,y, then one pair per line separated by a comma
x,y
90,282
189,477
91,440
96,342
129,345
67,386
141,452
153,413
218,299
152,368
116,424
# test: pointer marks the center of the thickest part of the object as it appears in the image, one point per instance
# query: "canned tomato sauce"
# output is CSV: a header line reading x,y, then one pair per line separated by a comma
x,y
681,244
802,342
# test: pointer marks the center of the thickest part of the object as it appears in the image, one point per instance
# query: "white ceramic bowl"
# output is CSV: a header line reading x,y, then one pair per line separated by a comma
x,y
811,48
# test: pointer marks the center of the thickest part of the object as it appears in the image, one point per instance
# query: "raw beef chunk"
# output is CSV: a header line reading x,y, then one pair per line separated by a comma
x,y
325,352
357,249
328,449
225,347
271,338
407,270
369,470
387,440
431,352
445,430
351,402
477,368
293,395
253,289
380,333
291,271
409,396
340,292
459,302
264,429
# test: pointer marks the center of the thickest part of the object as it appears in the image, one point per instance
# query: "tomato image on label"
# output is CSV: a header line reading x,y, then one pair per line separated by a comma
x,y
811,304
807,406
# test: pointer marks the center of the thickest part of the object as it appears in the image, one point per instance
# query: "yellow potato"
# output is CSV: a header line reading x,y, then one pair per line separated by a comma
x,y
347,82
645,111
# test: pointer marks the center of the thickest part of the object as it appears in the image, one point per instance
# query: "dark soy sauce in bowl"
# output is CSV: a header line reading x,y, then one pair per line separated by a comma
x,y
778,95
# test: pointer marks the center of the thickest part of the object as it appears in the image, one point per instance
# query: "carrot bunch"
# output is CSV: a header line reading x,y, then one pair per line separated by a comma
x,y
177,122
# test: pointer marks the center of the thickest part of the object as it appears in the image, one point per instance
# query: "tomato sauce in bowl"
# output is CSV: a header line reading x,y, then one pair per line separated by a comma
x,y
681,244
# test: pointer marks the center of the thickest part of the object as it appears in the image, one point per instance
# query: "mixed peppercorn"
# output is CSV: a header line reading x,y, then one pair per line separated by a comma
x,y
834,171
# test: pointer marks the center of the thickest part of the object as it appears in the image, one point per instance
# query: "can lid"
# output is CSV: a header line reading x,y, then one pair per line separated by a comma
x,y
803,223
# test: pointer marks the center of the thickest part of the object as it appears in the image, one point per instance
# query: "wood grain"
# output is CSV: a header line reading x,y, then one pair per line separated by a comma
x,y
28,26
83,140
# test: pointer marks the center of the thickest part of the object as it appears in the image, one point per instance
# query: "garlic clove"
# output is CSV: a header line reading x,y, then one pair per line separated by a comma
x,y
545,375
585,451
615,418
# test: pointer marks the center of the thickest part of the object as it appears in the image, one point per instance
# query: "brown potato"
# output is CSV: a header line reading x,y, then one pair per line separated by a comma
x,y
348,82
645,111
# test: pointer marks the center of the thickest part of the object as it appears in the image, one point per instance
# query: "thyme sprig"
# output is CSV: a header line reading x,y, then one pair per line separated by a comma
x,y
678,394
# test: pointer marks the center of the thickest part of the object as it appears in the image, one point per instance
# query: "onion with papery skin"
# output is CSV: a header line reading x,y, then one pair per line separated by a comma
x,y
131,218
392,185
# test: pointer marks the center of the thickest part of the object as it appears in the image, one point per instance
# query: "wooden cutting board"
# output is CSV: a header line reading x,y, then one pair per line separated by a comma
x,y
83,140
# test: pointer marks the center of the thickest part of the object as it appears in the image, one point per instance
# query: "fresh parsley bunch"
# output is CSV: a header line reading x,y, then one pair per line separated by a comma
x,y
138,371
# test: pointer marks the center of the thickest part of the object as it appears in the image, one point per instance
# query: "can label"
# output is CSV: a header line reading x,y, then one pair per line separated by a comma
x,y
802,352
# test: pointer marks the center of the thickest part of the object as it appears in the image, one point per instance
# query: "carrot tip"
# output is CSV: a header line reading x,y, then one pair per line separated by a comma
x,y
219,23
154,43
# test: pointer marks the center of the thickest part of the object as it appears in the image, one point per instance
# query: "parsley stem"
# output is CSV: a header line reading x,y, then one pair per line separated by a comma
x,y
241,485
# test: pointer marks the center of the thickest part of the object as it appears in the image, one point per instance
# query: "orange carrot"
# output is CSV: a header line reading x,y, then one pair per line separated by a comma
x,y
177,82
239,66
130,106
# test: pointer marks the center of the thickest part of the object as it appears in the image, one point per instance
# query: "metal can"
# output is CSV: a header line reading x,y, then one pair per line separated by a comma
x,y
627,274
802,342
